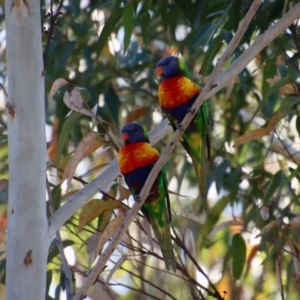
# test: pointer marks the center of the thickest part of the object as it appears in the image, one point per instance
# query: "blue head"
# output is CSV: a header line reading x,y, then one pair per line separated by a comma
x,y
171,66
134,133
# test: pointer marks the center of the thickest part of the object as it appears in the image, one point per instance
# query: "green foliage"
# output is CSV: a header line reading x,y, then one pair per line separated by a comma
x,y
110,49
238,252
108,28
66,130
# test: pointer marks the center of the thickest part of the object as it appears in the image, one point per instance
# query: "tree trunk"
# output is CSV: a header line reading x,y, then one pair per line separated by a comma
x,y
27,222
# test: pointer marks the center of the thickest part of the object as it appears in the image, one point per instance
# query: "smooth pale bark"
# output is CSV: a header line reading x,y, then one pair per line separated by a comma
x,y
27,221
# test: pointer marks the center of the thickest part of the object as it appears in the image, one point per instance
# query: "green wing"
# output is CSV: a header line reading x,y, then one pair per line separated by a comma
x,y
158,212
196,142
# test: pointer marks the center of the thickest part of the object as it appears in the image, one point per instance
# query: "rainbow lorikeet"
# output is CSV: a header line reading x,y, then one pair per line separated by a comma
x,y
177,93
136,159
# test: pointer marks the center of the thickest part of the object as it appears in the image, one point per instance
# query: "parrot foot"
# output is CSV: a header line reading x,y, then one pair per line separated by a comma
x,y
137,198
180,127
192,111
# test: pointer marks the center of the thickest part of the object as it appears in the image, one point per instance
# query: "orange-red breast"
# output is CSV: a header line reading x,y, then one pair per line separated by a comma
x,y
136,159
177,93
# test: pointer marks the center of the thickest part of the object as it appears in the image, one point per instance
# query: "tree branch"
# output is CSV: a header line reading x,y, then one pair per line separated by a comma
x,y
101,182
260,43
286,149
78,200
69,275
160,131
165,155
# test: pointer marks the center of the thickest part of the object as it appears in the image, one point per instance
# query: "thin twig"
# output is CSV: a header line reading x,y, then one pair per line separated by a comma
x,y
142,279
97,185
102,181
286,149
49,32
75,202
216,294
166,154
260,43
278,267
70,291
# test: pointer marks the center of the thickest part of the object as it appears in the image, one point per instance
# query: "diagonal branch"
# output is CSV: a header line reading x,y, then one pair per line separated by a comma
x,y
260,43
165,155
100,183
69,275
160,131
286,149
74,203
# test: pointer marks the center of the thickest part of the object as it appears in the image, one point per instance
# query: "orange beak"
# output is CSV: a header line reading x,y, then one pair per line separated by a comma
x,y
125,136
159,71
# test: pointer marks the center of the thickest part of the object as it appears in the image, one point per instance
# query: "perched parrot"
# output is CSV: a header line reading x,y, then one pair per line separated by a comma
x,y
177,93
136,159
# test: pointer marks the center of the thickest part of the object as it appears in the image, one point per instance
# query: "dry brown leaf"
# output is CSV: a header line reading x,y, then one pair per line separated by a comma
x,y
274,79
91,246
289,88
280,60
116,267
133,115
274,120
264,213
294,223
3,225
124,193
225,285
267,228
96,207
95,170
284,109
251,135
230,223
75,101
107,234
57,84
251,255
255,134
116,142
3,184
89,143
52,151
105,155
